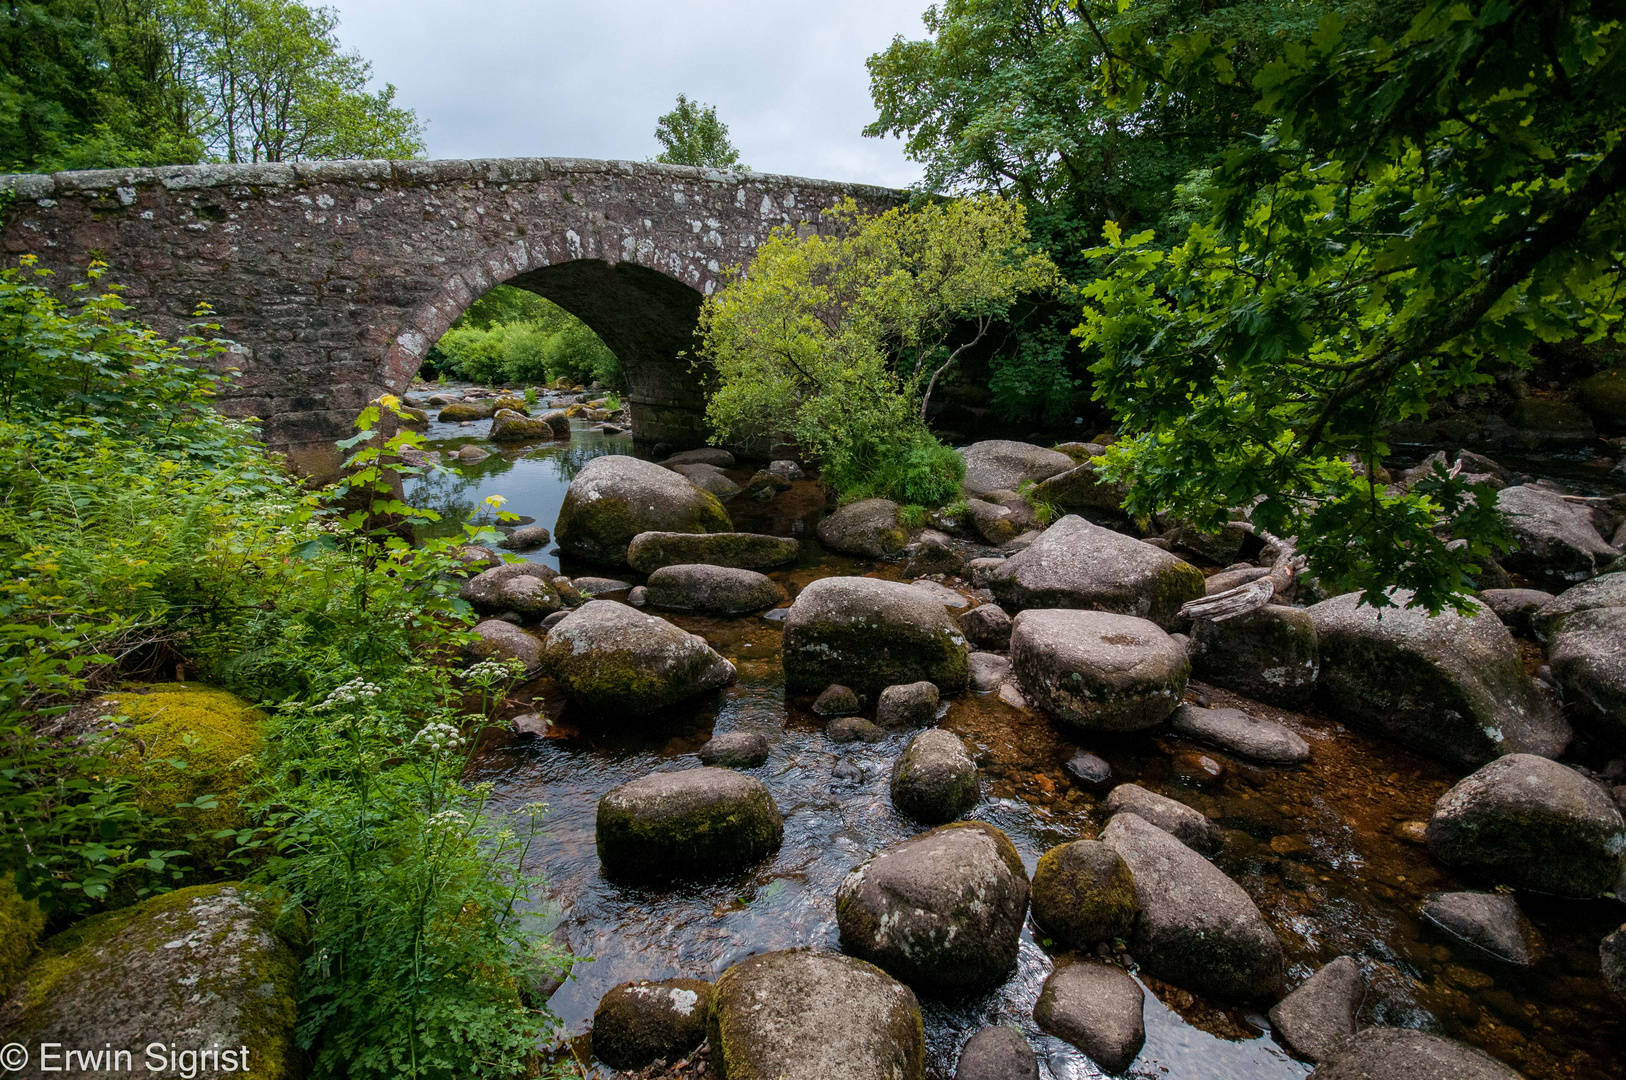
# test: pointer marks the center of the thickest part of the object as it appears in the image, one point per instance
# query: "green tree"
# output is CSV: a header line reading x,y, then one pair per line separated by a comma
x,y
691,134
1418,212
838,340
275,85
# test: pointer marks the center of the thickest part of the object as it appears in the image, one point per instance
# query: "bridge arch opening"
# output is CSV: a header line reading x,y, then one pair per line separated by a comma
x,y
646,318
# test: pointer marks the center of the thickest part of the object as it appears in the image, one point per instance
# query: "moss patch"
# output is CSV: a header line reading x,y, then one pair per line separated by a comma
x,y
21,924
214,733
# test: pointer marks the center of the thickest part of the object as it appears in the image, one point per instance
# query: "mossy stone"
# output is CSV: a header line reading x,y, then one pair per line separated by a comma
x,y
650,551
639,1023
695,822
614,498
215,733
509,425
616,663
196,967
1083,893
459,411
1604,396
21,923
814,1015
868,635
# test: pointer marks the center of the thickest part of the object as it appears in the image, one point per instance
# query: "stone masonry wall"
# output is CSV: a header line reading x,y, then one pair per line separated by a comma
x,y
333,279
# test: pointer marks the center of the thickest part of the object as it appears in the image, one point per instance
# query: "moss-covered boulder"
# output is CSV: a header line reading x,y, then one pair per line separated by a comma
x,y
1588,658
1083,894
650,551
614,662
692,823
1531,823
708,478
459,411
525,588
21,923
869,529
639,1023
1449,685
942,911
1197,928
512,426
814,1015
614,498
1603,396
1002,464
1097,670
1606,591
1075,564
934,780
199,967
1081,490
868,635
717,590
1270,655
215,735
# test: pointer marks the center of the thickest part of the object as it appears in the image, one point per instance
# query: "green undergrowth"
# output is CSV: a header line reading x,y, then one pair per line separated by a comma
x,y
145,538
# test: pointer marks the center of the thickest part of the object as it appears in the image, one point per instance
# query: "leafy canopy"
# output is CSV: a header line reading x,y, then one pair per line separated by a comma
x,y
107,83
691,134
837,339
1418,211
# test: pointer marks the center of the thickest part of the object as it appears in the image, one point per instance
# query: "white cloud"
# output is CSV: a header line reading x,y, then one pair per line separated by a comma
x,y
502,78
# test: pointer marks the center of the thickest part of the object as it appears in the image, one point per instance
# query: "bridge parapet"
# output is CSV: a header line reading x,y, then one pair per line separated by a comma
x,y
334,278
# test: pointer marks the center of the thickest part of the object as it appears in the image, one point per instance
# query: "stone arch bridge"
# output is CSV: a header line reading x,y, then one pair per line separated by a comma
x,y
334,278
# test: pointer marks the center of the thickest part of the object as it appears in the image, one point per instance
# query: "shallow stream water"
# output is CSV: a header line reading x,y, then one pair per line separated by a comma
x,y
1319,848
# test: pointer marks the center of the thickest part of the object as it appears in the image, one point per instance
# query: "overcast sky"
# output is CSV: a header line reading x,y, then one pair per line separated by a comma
x,y
567,78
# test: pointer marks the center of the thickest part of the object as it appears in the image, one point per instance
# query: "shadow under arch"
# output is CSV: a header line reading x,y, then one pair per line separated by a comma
x,y
648,320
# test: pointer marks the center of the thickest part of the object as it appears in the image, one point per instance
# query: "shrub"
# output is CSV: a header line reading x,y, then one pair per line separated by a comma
x,y
476,355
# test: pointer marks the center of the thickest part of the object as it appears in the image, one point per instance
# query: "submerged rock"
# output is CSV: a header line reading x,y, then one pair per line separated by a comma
x,y
689,823
708,478
511,426
1083,894
934,780
1490,922
845,729
614,498
1197,928
907,705
1097,670
836,700
1088,769
1177,819
942,911
1317,1017
204,966
735,750
1448,685
642,1022
870,634
1270,655
616,662
1096,1007
1531,823
715,590
1241,734
526,538
870,529
997,1053
1001,464
714,456
1075,564
814,1015
650,551
1384,1053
